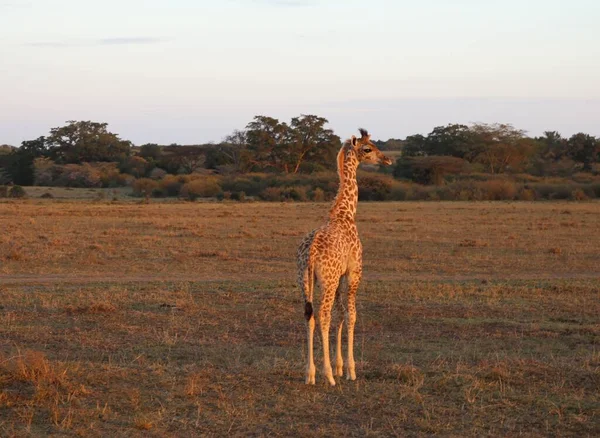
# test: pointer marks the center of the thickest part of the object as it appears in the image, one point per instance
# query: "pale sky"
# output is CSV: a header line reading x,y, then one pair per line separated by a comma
x,y
192,71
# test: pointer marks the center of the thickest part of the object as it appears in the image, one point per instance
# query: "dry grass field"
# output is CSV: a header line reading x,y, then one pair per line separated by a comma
x,y
183,319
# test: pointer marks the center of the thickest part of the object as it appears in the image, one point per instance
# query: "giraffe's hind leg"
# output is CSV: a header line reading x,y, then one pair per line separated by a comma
x,y
310,365
354,278
328,297
339,312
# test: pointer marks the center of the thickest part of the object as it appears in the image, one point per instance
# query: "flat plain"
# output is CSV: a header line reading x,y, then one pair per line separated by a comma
x,y
184,319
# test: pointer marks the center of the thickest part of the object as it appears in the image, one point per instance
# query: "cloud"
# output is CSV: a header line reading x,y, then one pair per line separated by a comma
x,y
291,3
129,40
115,41
14,5
284,3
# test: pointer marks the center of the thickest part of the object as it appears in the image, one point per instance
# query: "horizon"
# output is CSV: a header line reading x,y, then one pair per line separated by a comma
x,y
192,72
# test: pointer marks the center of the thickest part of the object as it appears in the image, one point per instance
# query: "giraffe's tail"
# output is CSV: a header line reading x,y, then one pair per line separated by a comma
x,y
308,286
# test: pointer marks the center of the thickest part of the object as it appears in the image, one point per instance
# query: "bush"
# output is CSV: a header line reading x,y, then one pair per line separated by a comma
x,y
401,191
526,194
135,166
272,194
373,187
17,192
297,193
205,187
157,173
171,185
80,175
144,187
3,191
251,184
47,195
498,190
579,195
318,195
429,170
238,196
87,175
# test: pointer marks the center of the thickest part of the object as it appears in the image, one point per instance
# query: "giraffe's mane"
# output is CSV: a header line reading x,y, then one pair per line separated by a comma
x,y
340,159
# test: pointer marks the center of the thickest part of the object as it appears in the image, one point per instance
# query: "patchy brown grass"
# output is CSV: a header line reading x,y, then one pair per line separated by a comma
x,y
248,240
150,320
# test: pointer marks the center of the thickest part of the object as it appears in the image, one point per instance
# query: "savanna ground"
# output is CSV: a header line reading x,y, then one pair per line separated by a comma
x,y
183,319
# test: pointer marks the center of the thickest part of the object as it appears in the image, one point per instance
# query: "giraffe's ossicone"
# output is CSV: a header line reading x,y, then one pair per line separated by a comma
x,y
331,257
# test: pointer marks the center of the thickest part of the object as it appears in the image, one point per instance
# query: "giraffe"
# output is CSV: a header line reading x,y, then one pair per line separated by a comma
x,y
332,256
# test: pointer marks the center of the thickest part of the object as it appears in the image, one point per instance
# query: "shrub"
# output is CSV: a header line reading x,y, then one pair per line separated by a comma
x,y
595,189
157,173
135,166
144,187
318,195
17,192
171,185
429,170
251,184
561,192
526,194
80,175
111,177
48,173
201,188
3,191
400,191
498,190
579,195
47,195
373,187
238,196
297,193
272,194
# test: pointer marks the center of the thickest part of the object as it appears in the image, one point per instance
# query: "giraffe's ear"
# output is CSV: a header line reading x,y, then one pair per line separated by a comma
x,y
353,140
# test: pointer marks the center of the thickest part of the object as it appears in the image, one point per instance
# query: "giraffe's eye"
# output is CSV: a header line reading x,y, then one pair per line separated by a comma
x,y
367,150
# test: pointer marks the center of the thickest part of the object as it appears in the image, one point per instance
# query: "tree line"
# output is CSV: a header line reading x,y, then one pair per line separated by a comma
x,y
305,145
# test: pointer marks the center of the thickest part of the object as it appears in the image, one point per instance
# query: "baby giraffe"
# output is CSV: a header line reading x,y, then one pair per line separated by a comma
x,y
332,255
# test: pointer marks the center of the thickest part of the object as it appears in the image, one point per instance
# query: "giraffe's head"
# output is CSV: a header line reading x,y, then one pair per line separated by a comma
x,y
366,151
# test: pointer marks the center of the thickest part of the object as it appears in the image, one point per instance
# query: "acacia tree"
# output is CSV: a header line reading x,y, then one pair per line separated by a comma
x,y
86,141
454,139
501,146
20,161
267,140
584,149
309,140
552,145
231,151
150,152
183,159
429,170
415,146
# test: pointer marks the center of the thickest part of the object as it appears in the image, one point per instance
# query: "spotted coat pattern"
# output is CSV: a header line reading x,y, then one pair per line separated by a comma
x,y
331,256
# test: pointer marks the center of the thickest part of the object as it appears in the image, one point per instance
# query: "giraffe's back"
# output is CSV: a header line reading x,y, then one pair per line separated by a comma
x,y
332,249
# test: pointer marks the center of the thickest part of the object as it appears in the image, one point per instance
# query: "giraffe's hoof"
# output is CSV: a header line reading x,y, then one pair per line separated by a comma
x,y
339,371
331,381
310,376
350,374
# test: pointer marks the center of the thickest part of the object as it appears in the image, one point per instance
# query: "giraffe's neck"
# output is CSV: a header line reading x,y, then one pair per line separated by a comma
x,y
346,201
